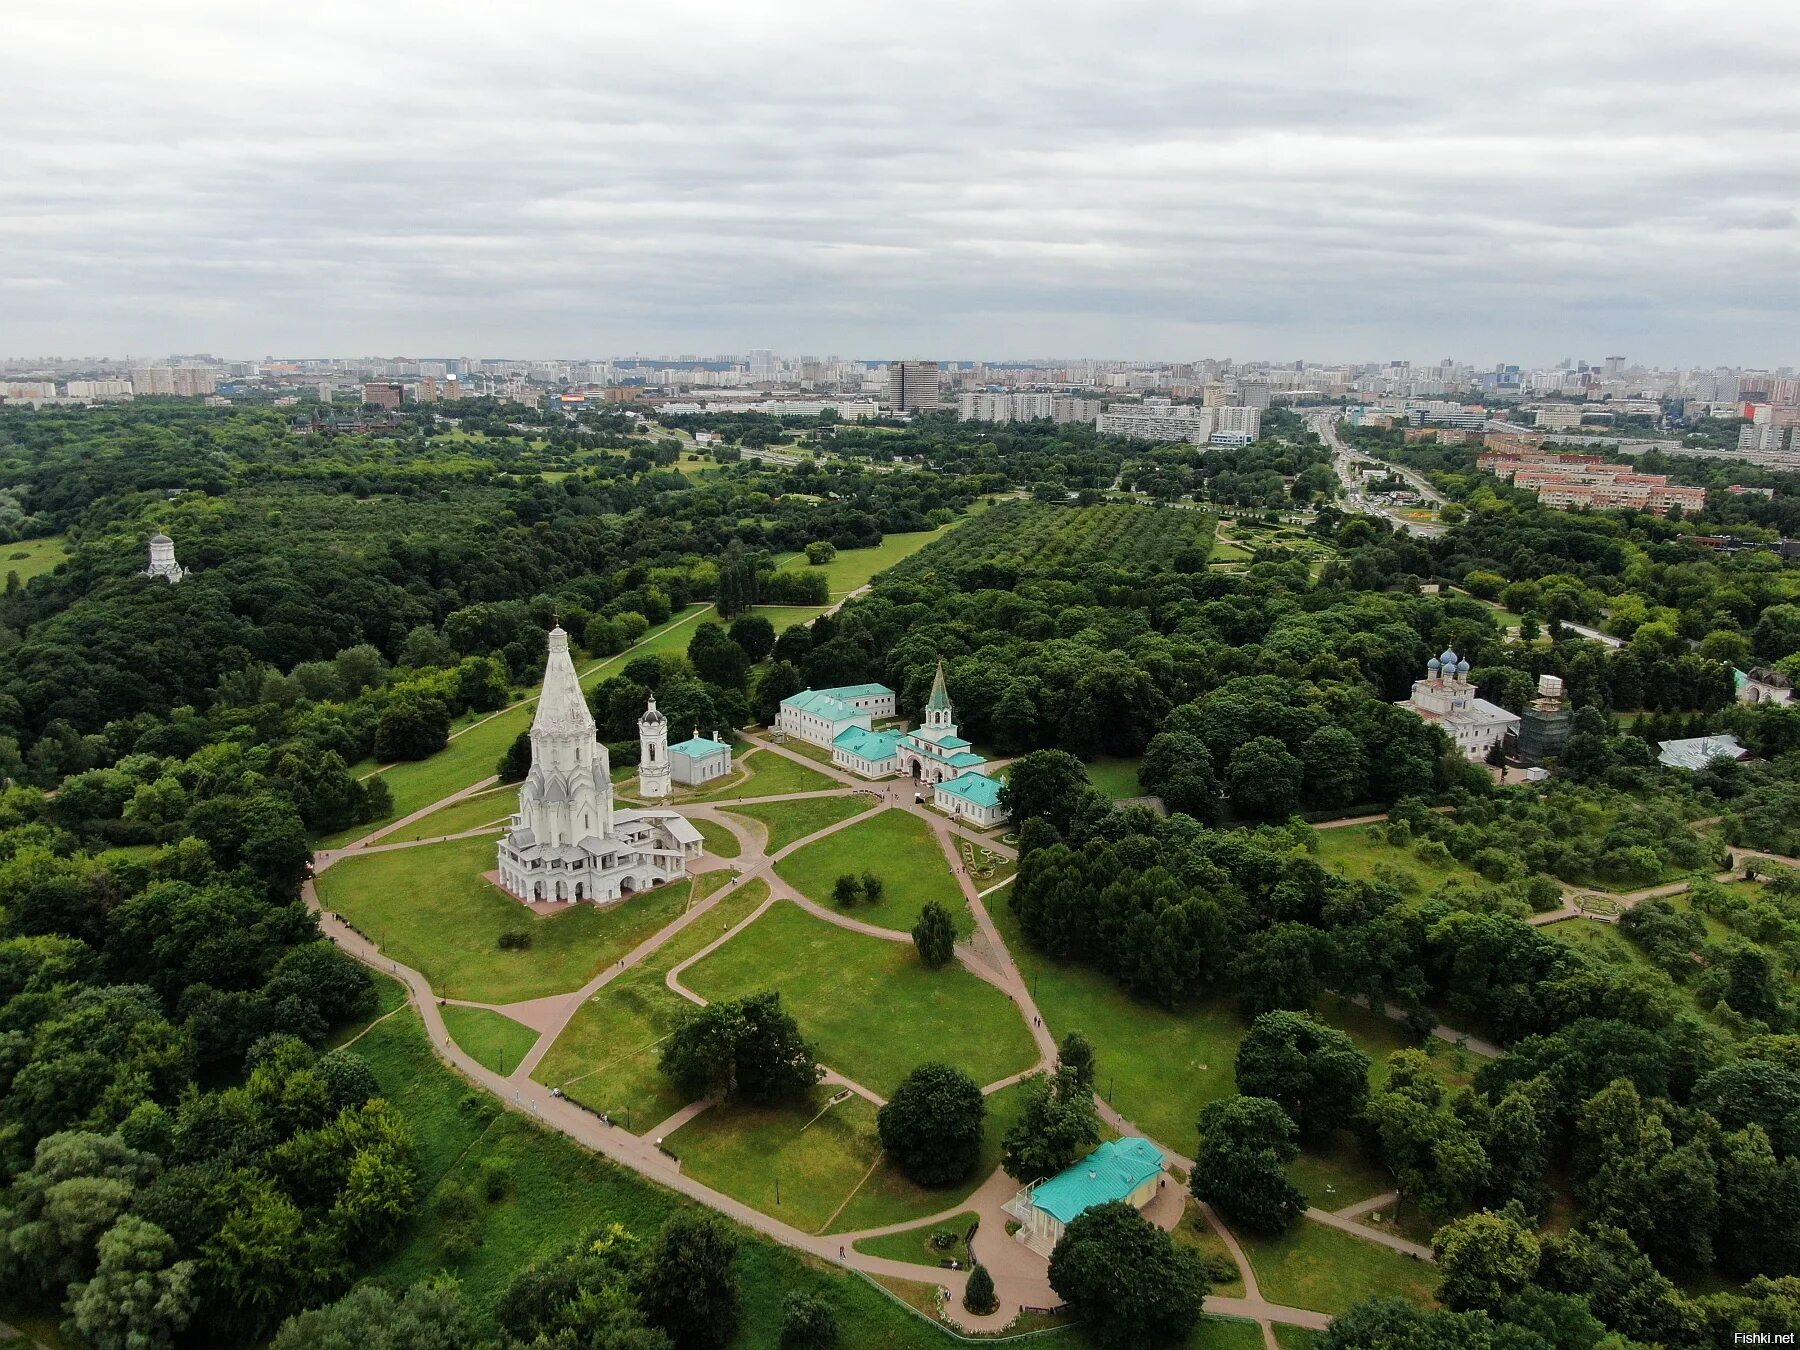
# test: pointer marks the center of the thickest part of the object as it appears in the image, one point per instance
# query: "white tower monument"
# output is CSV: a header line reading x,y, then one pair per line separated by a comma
x,y
653,754
162,559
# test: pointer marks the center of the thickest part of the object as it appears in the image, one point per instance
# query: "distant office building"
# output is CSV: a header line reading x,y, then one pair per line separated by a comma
x,y
913,386
384,395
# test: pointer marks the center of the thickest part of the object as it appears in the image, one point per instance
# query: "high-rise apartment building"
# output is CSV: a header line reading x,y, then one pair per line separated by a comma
x,y
384,395
913,386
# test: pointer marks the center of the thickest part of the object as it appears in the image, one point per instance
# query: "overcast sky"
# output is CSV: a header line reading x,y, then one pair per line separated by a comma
x,y
1514,181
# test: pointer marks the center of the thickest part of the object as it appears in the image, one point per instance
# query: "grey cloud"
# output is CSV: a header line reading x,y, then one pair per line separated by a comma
x,y
1519,181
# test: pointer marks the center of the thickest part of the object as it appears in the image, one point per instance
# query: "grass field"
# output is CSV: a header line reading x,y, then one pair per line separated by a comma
x,y
561,1191
1296,1338
1117,778
867,1004
887,1197
1312,1266
495,1041
720,842
789,822
791,1162
472,754
34,557
430,908
1355,852
606,1058
914,1244
1194,1231
487,808
1226,550
784,617
763,773
899,848
853,567
1158,1068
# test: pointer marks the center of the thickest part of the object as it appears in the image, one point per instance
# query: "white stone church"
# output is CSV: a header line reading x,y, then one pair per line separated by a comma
x,y
567,843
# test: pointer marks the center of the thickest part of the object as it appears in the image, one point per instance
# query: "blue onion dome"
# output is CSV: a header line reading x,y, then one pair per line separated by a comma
x,y
1448,659
1462,667
1434,665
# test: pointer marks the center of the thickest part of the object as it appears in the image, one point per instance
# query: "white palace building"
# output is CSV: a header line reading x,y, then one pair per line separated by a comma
x,y
933,754
567,843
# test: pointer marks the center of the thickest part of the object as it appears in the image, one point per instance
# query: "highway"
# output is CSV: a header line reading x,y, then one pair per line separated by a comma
x,y
1342,459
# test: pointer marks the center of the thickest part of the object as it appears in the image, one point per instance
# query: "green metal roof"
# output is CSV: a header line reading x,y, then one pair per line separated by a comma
x,y
873,746
975,788
940,697
698,745
821,703
1111,1172
967,759
849,691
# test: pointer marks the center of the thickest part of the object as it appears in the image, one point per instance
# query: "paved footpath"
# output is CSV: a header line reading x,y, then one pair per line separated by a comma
x,y
1021,1277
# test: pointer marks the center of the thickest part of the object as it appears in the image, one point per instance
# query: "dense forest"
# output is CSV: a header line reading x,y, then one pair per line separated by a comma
x,y
187,1160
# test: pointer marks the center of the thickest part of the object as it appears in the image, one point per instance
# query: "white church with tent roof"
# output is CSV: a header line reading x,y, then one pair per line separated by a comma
x,y
567,843
932,754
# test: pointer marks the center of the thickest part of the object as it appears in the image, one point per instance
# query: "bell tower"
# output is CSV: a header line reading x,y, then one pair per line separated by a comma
x,y
653,754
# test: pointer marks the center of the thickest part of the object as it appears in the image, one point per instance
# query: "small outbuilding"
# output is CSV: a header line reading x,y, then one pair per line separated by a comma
x,y
699,759
973,797
1128,1169
1696,752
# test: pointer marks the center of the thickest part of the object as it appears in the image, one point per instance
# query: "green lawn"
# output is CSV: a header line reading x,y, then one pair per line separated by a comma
x,y
763,773
791,1162
900,849
789,822
430,908
867,1004
606,1058
1225,1333
1117,778
720,842
1354,852
472,754
914,1244
33,557
784,617
1296,1338
390,995
1194,1231
1160,1067
561,1191
487,808
1312,1266
887,1197
853,567
494,1040
1224,550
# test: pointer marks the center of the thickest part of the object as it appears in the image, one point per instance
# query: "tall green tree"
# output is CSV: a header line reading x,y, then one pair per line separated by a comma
x,y
931,1127
934,935
1126,1279
688,1284
1246,1144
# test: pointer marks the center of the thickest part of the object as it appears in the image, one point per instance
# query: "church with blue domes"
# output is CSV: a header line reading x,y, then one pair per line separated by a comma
x,y
1446,697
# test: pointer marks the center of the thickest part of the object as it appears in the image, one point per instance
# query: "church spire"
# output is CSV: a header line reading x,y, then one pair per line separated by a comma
x,y
562,709
940,697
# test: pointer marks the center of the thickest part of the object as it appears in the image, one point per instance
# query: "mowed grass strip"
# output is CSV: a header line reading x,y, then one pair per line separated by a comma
x,y
492,1039
1354,852
815,1159
491,808
914,1244
1313,1266
900,849
431,908
606,1058
854,567
872,1011
763,773
789,822
720,842
560,1191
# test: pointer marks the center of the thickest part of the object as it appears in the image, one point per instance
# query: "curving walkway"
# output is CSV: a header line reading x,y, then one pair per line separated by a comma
x,y
1021,1277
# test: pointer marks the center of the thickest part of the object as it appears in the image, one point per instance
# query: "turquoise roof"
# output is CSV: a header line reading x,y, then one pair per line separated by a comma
x,y
975,788
942,740
873,746
967,759
850,691
697,746
820,703
1111,1172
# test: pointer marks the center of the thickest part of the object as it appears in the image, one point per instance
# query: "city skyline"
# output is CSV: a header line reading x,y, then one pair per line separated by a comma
x,y
1149,184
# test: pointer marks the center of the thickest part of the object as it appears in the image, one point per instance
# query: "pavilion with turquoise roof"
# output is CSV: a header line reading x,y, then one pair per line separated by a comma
x,y
1128,1169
